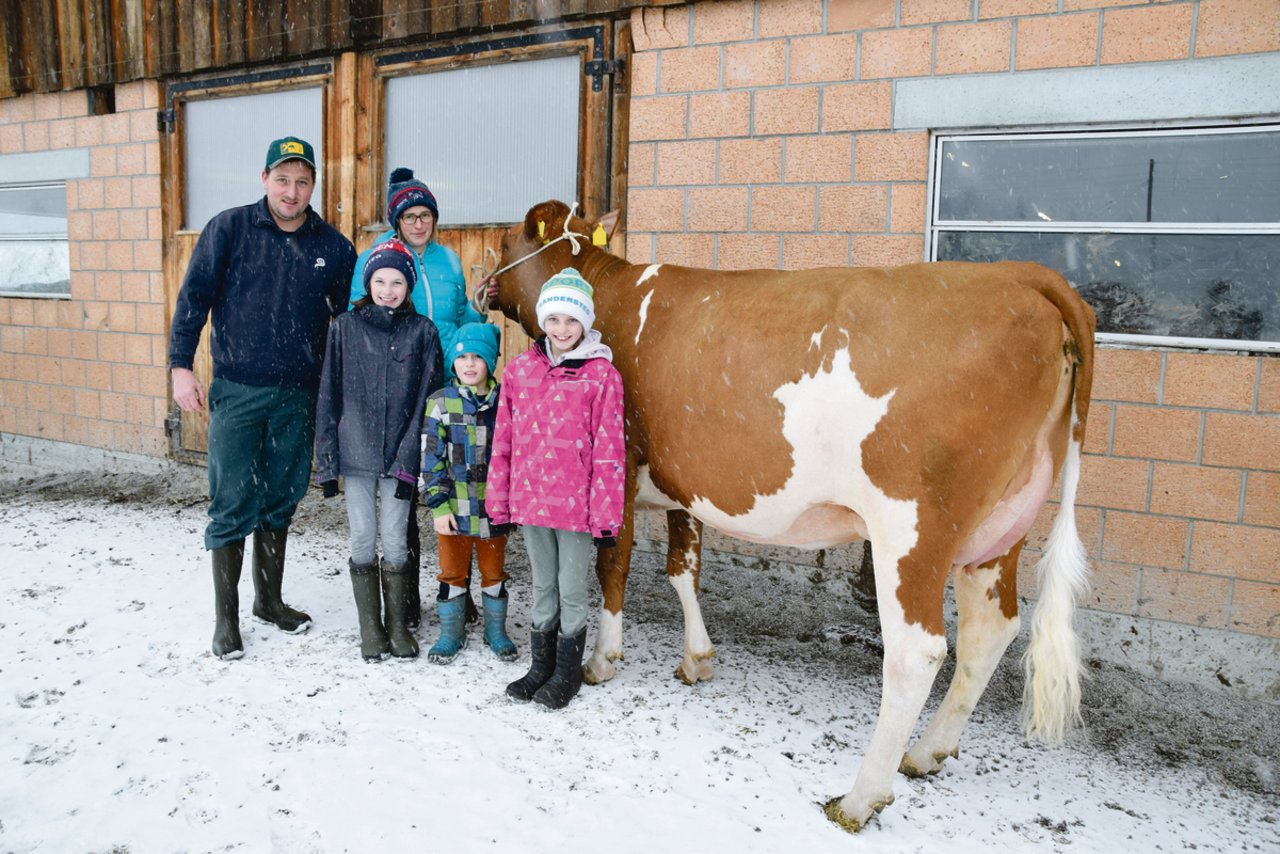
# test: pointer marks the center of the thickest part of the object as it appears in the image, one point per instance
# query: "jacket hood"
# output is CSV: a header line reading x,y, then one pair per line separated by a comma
x,y
590,347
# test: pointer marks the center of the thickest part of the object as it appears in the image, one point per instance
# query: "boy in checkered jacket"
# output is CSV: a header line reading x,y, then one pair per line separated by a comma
x,y
458,429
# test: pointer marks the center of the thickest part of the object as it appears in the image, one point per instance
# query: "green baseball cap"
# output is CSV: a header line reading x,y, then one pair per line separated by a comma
x,y
290,148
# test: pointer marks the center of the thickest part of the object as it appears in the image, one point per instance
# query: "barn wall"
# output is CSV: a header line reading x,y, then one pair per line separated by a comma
x,y
788,133
91,370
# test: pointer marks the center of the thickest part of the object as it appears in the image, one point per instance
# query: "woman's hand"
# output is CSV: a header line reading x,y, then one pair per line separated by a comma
x,y
485,295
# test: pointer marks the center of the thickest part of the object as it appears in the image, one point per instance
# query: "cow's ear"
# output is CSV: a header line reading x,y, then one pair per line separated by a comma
x,y
609,222
538,221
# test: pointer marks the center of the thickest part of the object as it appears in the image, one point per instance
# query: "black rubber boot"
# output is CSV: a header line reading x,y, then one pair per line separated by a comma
x,y
366,586
227,561
542,648
394,579
268,576
565,682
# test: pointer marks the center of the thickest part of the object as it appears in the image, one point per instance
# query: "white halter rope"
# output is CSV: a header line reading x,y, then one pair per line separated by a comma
x,y
571,236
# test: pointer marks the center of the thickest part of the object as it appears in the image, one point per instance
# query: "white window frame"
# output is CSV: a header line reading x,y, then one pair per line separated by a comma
x,y
934,228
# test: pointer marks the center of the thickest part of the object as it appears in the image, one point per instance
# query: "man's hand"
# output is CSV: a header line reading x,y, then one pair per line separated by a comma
x,y
446,525
187,391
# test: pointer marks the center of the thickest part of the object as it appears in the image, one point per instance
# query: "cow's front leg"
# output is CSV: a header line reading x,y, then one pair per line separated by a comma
x,y
684,564
612,566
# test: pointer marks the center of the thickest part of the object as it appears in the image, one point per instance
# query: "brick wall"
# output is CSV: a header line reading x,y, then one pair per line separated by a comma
x,y
91,370
761,136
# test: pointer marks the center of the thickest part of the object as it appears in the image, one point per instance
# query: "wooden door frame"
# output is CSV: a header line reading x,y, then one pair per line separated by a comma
x,y
178,242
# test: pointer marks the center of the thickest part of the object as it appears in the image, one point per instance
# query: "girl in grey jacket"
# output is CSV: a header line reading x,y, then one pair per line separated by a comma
x,y
381,363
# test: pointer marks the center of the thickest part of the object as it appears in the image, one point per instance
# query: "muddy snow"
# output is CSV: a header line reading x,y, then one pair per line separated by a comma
x,y
120,732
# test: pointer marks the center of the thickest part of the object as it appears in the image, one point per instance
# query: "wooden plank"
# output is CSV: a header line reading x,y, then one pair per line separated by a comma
x,y
74,50
341,160
8,48
367,166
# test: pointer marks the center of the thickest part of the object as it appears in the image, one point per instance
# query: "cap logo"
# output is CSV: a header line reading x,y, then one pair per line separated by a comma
x,y
292,147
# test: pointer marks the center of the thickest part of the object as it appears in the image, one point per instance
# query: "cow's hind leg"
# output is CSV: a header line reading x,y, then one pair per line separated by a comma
x,y
987,622
684,562
909,589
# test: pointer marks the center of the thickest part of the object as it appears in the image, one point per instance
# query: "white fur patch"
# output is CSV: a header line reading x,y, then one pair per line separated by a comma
x,y
826,417
649,273
648,496
644,314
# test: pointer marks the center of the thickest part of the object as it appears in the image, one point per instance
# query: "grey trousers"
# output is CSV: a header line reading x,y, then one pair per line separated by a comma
x,y
365,520
560,561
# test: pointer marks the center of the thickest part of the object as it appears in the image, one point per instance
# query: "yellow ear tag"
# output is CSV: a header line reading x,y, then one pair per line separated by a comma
x,y
598,237
542,231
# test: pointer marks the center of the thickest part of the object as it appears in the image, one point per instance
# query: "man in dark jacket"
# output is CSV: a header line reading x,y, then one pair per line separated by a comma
x,y
272,274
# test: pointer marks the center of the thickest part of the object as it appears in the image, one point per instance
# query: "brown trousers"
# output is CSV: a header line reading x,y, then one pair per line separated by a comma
x,y
455,559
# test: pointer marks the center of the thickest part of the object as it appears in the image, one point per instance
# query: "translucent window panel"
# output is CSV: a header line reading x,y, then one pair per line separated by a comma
x,y
1208,286
490,141
34,256
35,268
226,146
1201,177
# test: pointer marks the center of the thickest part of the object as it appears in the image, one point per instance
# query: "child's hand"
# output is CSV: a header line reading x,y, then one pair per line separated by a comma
x,y
446,525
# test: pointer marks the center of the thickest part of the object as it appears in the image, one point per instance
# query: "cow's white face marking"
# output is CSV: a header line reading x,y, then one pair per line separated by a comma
x,y
649,273
644,314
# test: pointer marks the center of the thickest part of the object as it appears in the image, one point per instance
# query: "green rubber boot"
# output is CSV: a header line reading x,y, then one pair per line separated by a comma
x,y
365,584
394,581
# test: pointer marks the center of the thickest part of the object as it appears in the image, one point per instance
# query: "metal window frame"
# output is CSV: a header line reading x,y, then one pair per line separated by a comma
x,y
935,227
50,237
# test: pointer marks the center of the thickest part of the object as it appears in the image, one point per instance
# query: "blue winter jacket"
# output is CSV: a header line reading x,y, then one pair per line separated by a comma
x,y
440,292
271,292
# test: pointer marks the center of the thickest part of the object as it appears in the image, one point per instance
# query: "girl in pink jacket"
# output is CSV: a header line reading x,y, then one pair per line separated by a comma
x,y
558,468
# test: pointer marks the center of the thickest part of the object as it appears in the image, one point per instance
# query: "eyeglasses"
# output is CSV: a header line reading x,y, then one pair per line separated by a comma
x,y
415,218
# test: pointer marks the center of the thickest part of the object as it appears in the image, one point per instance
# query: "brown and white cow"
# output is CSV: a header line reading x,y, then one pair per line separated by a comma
x,y
925,407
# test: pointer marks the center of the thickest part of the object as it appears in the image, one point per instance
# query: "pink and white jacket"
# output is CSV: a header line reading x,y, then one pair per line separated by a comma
x,y
559,456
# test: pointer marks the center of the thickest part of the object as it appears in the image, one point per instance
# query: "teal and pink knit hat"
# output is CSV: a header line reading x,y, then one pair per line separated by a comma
x,y
567,293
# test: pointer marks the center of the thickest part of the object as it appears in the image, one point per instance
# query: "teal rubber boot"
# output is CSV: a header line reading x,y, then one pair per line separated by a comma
x,y
453,629
495,626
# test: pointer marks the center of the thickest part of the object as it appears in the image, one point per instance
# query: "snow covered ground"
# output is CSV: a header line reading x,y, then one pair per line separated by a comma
x,y
120,732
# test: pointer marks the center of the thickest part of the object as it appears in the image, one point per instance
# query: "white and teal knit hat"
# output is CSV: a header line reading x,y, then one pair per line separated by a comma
x,y
567,293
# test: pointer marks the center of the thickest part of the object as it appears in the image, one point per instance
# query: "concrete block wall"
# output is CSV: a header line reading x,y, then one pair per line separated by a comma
x,y
91,370
761,136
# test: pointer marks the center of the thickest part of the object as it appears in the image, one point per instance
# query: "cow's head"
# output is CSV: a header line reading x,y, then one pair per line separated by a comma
x,y
538,249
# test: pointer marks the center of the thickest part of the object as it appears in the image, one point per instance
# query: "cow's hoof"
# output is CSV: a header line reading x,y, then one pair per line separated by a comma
x,y
837,816
598,669
691,672
911,768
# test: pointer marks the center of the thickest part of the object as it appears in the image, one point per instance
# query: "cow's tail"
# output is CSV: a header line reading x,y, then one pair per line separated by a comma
x,y
1052,664
1051,697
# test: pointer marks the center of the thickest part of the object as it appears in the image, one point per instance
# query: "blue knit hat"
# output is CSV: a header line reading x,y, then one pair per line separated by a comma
x,y
567,293
392,254
404,191
479,338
